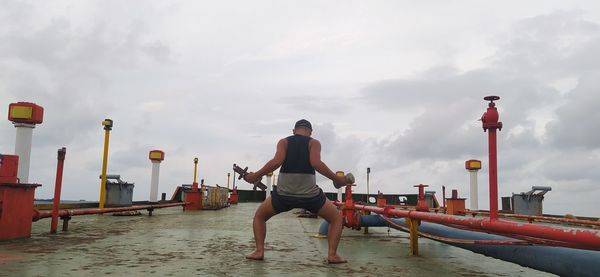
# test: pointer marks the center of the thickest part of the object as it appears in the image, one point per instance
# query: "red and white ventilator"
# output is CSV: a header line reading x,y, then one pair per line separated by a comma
x,y
156,157
473,166
24,116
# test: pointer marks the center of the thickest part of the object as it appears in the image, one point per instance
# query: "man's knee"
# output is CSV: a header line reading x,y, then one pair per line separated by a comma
x,y
263,214
330,213
335,219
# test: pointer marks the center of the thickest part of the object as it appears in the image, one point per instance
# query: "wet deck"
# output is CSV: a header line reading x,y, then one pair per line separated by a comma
x,y
213,243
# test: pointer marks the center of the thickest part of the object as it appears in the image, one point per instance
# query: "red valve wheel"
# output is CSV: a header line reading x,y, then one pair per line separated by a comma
x,y
491,98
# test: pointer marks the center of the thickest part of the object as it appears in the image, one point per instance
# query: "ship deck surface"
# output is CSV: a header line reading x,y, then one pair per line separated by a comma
x,y
213,243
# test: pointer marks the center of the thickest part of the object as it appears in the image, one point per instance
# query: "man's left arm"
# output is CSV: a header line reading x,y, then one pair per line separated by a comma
x,y
320,166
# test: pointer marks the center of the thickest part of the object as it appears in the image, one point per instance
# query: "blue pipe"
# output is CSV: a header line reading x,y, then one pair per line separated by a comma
x,y
557,260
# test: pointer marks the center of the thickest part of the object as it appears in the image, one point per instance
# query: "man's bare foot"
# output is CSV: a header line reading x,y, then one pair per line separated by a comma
x,y
259,256
335,259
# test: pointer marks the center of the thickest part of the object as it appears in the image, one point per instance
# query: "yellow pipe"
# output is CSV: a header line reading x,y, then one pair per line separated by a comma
x,y
414,236
228,181
195,168
104,162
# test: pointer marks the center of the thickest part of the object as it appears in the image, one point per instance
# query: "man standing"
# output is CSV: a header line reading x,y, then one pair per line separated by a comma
x,y
299,156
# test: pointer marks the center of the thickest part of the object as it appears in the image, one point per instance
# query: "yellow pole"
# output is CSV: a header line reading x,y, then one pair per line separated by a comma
x,y
414,236
107,123
228,181
195,168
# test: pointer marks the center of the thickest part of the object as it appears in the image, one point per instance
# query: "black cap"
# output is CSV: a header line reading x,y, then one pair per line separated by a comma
x,y
303,123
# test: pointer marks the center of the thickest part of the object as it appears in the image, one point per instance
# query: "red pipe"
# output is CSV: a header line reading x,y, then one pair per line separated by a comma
x,y
589,239
532,240
57,188
532,218
493,175
453,240
37,215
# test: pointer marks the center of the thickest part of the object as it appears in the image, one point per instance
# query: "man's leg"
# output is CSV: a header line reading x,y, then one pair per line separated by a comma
x,y
259,225
330,213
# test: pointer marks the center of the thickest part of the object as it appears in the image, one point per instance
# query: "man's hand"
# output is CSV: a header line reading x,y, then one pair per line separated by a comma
x,y
339,181
252,177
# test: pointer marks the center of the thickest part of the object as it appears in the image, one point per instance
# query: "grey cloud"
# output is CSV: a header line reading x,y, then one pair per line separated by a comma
x,y
437,133
577,121
316,104
572,166
158,50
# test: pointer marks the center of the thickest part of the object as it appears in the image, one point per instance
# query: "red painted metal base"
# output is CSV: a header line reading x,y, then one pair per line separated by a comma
x,y
233,199
455,206
194,201
16,206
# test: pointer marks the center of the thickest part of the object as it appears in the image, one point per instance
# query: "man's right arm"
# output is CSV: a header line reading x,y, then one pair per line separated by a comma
x,y
271,165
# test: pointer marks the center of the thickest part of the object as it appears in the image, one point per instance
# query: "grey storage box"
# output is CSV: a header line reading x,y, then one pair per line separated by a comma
x,y
118,192
530,203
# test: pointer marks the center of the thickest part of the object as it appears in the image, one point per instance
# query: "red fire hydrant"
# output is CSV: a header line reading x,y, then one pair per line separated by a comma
x,y
234,197
381,202
490,123
422,204
350,215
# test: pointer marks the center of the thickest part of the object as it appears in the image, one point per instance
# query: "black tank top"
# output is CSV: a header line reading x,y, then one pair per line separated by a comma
x,y
297,157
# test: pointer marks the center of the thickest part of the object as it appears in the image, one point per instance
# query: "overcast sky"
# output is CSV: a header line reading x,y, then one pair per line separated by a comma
x,y
392,85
